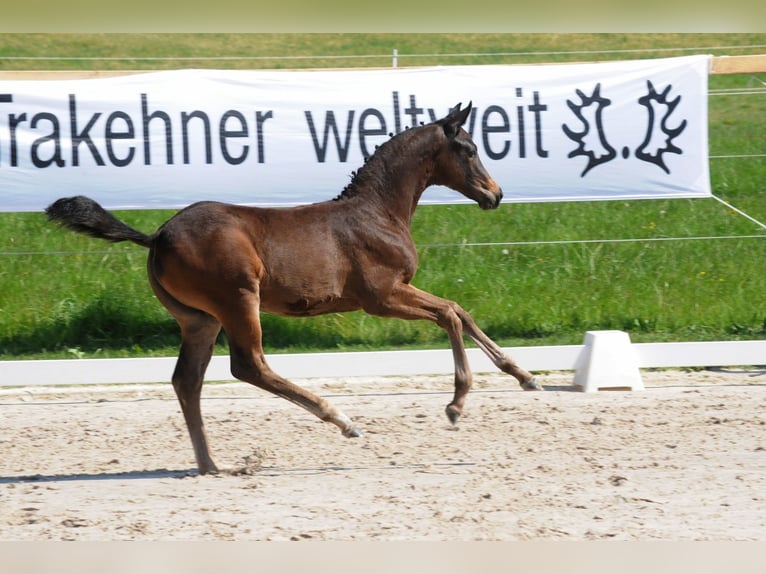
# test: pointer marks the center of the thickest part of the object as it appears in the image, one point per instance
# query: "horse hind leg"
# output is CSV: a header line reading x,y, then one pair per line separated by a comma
x,y
199,331
243,329
252,368
197,341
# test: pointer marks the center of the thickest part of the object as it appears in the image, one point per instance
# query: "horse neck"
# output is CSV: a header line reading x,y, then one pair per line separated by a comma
x,y
395,178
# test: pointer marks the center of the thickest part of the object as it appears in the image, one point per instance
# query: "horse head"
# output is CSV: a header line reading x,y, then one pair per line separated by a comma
x,y
458,165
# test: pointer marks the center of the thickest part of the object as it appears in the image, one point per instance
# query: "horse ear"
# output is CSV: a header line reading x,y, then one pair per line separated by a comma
x,y
455,119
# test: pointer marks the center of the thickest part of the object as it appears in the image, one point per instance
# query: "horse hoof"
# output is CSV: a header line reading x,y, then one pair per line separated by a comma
x,y
531,385
453,413
352,432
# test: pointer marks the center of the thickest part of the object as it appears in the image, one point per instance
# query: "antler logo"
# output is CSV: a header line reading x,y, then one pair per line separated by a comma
x,y
592,141
651,101
590,113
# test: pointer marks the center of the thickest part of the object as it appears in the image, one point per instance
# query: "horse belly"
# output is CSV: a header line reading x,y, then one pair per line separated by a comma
x,y
297,305
306,278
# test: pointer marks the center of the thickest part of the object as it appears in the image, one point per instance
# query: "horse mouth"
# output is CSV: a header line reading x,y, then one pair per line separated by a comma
x,y
490,200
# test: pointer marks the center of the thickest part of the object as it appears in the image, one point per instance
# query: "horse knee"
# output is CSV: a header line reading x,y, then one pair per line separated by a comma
x,y
245,367
449,318
243,370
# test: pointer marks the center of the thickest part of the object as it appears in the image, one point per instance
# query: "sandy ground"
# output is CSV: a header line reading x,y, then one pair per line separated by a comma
x,y
684,459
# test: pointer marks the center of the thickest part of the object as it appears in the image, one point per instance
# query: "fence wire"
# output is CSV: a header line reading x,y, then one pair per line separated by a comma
x,y
394,56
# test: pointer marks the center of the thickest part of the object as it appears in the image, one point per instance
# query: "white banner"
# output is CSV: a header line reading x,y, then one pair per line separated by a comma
x,y
623,130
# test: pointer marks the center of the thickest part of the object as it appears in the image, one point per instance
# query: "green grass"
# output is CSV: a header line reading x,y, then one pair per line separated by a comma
x,y
140,51
66,295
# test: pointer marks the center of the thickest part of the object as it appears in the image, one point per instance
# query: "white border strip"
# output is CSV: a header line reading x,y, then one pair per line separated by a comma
x,y
377,363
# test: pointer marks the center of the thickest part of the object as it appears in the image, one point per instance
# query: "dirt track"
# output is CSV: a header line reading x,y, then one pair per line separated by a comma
x,y
683,460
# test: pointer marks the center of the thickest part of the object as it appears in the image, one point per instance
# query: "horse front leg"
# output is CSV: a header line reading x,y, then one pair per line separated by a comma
x,y
495,353
408,302
449,321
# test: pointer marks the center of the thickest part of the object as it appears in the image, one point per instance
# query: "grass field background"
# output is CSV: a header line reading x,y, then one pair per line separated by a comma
x,y
67,295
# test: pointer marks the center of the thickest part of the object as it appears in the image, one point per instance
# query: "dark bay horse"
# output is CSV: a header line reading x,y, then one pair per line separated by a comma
x,y
217,265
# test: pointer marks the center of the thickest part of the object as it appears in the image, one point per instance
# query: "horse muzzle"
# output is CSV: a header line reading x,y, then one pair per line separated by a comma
x,y
491,199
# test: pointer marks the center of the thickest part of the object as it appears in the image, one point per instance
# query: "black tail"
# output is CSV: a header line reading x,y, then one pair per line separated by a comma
x,y
84,215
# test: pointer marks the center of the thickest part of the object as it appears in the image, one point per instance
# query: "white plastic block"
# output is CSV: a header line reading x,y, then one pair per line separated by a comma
x,y
607,361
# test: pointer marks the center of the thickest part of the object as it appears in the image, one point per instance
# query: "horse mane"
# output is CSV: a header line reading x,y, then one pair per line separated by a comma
x,y
375,169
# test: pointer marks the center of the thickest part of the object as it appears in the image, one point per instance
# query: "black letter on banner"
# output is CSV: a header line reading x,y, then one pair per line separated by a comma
x,y
321,150
413,111
55,137
13,122
6,98
83,136
397,120
520,125
185,117
364,132
537,108
260,118
486,129
223,133
146,118
123,135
